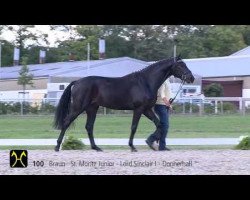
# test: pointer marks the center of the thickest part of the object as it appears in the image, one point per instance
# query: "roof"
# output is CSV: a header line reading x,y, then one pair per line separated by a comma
x,y
236,65
220,66
245,51
116,67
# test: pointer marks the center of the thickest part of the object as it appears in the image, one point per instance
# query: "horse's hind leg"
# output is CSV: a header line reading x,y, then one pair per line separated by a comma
x,y
91,116
68,120
135,121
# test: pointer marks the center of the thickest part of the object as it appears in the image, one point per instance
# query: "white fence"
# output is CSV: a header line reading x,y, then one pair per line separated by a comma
x,y
186,105
216,103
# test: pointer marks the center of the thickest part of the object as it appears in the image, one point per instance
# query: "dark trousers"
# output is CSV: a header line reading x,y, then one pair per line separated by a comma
x,y
162,112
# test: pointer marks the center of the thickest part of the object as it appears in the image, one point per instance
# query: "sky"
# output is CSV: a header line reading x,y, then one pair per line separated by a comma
x,y
52,35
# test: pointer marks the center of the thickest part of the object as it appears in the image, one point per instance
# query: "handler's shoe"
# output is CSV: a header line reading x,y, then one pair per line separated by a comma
x,y
156,146
152,145
165,149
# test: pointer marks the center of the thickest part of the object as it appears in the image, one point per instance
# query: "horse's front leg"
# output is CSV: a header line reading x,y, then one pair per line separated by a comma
x,y
136,117
151,116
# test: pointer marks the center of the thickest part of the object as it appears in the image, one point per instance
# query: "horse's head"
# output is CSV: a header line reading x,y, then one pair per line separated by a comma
x,y
180,70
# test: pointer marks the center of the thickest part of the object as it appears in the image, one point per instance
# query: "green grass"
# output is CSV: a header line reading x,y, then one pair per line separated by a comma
x,y
111,126
48,147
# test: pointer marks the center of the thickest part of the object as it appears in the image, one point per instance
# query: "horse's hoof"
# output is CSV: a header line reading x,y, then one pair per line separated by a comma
x,y
97,149
134,150
56,149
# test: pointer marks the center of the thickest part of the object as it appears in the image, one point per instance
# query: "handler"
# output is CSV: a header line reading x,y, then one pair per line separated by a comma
x,y
161,108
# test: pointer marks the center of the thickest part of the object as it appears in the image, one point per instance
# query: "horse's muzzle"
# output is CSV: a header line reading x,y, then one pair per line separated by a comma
x,y
189,78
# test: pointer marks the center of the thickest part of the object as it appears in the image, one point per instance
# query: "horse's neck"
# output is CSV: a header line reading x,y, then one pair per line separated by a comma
x,y
156,76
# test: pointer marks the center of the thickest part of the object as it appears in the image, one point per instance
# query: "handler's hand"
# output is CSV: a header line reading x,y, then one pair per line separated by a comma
x,y
170,107
167,103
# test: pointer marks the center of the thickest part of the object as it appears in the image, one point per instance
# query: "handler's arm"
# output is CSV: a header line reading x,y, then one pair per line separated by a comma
x,y
164,91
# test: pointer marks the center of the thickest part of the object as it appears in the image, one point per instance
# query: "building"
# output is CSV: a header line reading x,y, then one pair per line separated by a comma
x,y
50,79
232,72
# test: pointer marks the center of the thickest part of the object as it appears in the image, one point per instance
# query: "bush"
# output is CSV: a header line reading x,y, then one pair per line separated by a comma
x,y
209,109
244,144
178,108
194,108
229,107
9,108
213,90
47,108
15,107
3,108
72,143
248,110
34,109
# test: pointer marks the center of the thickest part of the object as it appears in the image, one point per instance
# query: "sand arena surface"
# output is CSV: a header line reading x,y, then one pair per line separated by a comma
x,y
124,162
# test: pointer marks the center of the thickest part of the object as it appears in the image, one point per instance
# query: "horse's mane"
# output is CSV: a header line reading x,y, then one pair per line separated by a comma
x,y
141,71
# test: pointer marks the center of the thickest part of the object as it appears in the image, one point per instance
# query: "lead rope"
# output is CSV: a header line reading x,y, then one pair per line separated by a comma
x,y
172,99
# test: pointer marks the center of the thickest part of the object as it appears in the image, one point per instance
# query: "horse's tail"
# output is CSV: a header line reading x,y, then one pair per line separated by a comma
x,y
62,109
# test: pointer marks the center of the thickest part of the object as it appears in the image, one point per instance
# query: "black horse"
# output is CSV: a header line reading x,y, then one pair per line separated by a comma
x,y
136,91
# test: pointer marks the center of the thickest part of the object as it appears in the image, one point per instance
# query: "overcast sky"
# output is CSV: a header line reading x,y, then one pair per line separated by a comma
x,y
52,35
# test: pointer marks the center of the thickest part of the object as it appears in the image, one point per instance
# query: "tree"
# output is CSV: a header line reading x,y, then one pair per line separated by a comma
x,y
88,34
65,28
25,78
53,54
210,41
149,42
77,43
223,41
7,53
213,90
146,42
116,44
245,31
23,34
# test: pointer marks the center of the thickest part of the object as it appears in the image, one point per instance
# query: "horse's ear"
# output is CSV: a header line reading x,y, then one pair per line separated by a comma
x,y
179,57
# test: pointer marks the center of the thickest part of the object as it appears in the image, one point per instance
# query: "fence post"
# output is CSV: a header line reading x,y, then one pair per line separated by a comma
x,y
240,104
22,108
243,107
190,106
216,107
201,108
221,107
